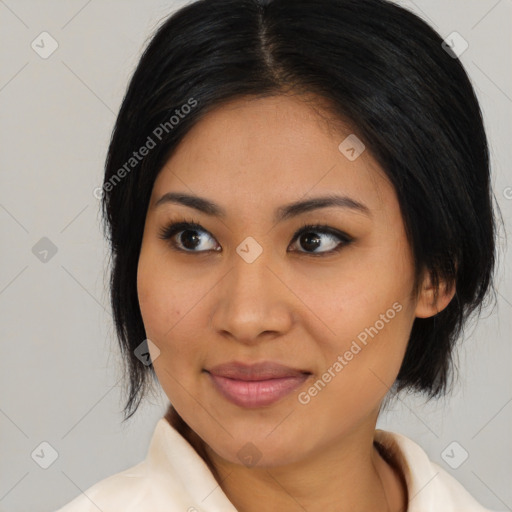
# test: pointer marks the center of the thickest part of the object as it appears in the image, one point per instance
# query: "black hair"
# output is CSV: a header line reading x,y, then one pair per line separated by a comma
x,y
374,66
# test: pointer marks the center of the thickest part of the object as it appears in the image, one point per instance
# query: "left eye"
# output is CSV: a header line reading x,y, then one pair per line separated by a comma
x,y
310,237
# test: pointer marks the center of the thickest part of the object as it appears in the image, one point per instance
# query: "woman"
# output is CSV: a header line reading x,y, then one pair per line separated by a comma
x,y
297,195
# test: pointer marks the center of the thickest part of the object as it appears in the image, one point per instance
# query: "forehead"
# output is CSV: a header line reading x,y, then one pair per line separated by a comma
x,y
275,149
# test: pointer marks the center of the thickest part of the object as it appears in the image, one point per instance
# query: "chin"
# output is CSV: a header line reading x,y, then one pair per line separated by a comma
x,y
258,449
260,455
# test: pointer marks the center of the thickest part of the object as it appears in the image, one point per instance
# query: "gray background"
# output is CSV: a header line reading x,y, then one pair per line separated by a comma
x,y
60,369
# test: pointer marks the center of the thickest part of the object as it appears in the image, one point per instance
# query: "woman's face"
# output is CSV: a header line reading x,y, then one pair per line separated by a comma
x,y
241,289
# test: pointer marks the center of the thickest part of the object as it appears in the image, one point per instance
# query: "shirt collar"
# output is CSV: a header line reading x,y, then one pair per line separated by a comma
x,y
176,467
414,466
186,479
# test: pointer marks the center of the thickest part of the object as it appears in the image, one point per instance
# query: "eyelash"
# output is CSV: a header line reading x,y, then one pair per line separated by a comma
x,y
169,231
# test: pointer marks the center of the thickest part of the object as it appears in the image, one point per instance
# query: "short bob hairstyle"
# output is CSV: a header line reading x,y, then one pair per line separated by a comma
x,y
374,66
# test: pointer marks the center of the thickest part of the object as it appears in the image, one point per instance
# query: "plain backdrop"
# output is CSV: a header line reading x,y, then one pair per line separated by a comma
x,y
60,366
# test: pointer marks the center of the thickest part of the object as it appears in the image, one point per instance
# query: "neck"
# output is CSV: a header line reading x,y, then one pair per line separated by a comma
x,y
350,475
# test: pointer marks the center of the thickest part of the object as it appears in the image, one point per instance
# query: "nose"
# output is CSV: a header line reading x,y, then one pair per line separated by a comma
x,y
253,302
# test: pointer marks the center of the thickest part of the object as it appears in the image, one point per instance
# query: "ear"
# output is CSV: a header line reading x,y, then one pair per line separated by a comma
x,y
426,305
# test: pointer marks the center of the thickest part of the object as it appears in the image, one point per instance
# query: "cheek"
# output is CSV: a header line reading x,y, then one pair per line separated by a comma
x,y
369,322
160,296
358,372
169,309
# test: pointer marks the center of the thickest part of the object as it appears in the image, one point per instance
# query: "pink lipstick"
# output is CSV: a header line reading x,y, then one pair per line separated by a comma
x,y
256,385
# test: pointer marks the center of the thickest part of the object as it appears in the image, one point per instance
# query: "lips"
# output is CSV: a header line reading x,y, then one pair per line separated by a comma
x,y
255,385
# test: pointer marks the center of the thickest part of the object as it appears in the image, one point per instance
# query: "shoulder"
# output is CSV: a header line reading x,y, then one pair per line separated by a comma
x,y
451,491
429,486
122,491
172,478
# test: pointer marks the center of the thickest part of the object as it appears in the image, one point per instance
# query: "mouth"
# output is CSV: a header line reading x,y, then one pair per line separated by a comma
x,y
255,385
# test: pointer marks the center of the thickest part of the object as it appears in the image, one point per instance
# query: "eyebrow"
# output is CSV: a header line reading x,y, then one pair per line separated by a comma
x,y
282,213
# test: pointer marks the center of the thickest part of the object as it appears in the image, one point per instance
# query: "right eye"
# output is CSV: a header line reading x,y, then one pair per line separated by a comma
x,y
189,237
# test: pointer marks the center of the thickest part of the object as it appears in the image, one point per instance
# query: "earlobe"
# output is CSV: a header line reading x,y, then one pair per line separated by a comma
x,y
427,306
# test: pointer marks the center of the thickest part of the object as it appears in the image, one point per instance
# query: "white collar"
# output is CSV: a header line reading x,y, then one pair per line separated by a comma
x,y
187,480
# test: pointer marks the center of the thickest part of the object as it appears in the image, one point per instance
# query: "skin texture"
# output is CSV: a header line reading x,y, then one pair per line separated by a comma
x,y
252,156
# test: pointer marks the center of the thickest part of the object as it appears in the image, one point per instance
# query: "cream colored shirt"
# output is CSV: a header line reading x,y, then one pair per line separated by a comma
x,y
174,478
